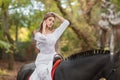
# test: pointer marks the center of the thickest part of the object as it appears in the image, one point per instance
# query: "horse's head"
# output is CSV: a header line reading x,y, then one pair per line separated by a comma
x,y
112,70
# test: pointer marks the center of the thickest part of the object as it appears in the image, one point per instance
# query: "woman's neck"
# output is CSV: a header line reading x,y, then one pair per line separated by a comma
x,y
47,31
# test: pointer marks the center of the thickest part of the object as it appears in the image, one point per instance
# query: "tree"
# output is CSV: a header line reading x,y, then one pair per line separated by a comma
x,y
5,23
87,38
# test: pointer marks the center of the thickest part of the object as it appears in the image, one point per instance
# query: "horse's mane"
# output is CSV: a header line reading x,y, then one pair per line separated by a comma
x,y
88,53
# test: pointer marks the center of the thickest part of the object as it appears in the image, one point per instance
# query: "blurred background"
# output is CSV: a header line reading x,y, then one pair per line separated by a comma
x,y
19,18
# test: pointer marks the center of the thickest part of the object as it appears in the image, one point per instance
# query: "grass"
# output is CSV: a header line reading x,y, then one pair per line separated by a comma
x,y
3,72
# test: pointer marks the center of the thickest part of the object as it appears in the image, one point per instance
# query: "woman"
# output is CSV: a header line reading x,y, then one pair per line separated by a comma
x,y
45,42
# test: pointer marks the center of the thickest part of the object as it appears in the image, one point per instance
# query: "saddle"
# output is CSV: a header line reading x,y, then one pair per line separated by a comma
x,y
56,61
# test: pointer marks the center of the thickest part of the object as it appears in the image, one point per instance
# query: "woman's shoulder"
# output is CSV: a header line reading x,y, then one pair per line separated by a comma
x,y
36,33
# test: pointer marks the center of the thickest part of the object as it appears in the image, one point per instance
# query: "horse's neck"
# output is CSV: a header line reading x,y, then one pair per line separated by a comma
x,y
81,68
89,66
93,61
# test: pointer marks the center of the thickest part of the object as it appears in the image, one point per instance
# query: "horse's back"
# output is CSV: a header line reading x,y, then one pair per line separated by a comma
x,y
25,71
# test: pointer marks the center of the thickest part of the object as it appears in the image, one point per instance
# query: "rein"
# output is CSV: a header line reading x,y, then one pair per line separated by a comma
x,y
115,64
114,69
109,73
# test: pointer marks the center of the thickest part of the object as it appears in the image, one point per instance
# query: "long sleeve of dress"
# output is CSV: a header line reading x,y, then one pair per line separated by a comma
x,y
58,32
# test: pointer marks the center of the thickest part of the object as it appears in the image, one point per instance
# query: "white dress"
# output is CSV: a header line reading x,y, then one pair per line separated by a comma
x,y
46,45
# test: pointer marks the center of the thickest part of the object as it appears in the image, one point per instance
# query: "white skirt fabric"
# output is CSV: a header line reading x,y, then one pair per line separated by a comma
x,y
43,68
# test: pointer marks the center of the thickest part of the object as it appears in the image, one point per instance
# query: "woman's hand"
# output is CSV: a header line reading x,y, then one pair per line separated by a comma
x,y
44,24
44,27
58,16
52,13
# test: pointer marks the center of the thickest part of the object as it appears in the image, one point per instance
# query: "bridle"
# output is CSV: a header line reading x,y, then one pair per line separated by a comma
x,y
115,67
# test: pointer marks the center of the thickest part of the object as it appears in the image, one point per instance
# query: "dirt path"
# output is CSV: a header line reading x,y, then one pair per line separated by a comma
x,y
11,74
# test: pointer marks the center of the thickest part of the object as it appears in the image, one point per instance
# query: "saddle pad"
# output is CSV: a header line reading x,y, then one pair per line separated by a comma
x,y
54,68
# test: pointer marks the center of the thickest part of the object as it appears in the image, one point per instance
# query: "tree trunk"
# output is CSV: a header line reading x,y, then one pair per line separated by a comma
x,y
11,61
87,6
74,25
6,33
16,36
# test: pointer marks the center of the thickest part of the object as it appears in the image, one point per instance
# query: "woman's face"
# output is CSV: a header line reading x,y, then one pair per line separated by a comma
x,y
49,22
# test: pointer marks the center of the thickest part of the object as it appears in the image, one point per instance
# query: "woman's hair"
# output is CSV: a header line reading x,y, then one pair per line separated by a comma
x,y
45,17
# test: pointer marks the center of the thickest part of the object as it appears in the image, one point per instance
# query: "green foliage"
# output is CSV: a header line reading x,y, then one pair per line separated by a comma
x,y
23,15
96,11
5,45
22,47
1,32
5,3
1,2
117,2
65,48
69,43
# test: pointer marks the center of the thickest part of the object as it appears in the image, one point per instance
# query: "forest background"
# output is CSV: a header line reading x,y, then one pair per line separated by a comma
x,y
19,18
